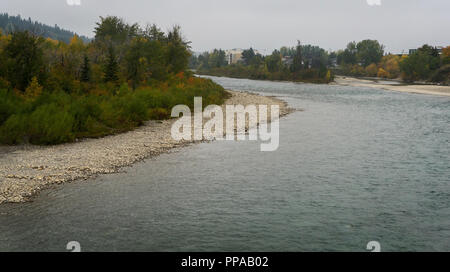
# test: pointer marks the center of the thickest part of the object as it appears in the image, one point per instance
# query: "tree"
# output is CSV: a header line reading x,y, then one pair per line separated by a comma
x,y
135,61
248,56
274,62
446,55
298,58
114,29
372,70
154,33
287,51
315,56
112,67
86,70
391,65
421,64
369,51
25,59
178,51
348,56
11,24
217,59
383,73
34,89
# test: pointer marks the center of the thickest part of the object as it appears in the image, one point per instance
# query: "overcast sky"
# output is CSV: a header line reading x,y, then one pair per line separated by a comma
x,y
262,24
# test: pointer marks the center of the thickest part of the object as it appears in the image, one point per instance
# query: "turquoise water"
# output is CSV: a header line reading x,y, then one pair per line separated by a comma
x,y
356,165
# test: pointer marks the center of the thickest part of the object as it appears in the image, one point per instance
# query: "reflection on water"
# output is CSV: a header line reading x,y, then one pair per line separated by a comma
x,y
357,165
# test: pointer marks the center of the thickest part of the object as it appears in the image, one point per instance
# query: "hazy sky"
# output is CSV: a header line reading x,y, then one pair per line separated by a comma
x,y
263,24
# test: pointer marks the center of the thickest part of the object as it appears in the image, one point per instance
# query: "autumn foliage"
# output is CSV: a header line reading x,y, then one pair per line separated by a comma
x,y
53,92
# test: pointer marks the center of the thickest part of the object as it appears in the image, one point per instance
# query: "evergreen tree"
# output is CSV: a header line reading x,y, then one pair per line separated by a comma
x,y
248,56
25,59
112,67
298,59
86,70
177,51
11,24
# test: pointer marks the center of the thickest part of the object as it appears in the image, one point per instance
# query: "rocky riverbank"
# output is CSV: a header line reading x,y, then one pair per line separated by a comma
x,y
26,170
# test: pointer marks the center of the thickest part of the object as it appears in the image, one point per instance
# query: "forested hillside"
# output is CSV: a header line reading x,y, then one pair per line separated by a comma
x,y
10,24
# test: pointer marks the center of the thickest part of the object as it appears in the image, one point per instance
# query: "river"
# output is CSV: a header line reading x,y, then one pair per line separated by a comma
x,y
356,165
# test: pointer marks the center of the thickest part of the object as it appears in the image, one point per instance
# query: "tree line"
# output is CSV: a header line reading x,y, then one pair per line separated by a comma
x,y
52,91
368,58
304,63
10,24
310,63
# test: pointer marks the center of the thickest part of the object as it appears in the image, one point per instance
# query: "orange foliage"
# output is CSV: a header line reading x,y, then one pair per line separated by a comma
x,y
446,52
33,90
382,73
372,70
180,75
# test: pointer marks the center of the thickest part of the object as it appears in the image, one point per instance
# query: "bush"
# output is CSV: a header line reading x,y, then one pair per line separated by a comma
x,y
442,75
50,124
383,73
8,105
14,130
58,117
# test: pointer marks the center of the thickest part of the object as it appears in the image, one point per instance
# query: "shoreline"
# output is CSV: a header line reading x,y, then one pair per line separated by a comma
x,y
417,89
27,169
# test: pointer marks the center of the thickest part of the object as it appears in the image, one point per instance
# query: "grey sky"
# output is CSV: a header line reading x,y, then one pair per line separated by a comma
x,y
263,24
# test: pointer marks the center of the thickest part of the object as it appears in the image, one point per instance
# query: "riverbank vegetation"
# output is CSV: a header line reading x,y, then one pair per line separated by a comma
x,y
306,63
303,63
368,59
54,92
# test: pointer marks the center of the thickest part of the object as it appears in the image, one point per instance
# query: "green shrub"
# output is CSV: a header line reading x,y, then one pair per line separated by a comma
x,y
442,75
8,105
158,114
14,130
51,124
59,117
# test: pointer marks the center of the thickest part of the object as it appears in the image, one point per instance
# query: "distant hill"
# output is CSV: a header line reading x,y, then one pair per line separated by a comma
x,y
9,24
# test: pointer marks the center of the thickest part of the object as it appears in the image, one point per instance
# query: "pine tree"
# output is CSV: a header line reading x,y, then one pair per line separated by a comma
x,y
112,67
86,70
27,54
298,59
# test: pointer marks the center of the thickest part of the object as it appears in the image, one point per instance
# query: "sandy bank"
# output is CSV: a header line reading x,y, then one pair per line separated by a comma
x,y
26,170
386,85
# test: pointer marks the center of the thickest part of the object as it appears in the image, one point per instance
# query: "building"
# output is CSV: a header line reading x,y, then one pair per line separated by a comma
x,y
287,60
438,48
412,51
233,56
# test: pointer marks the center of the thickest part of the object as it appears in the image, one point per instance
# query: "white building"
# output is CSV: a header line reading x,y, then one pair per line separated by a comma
x,y
233,56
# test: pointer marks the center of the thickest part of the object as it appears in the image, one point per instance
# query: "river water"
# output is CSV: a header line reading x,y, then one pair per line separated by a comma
x,y
357,165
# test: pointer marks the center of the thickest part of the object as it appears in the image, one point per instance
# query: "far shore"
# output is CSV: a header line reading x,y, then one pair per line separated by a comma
x,y
26,170
393,86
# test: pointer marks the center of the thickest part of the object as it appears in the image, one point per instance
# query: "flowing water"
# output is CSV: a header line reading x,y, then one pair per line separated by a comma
x,y
357,165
